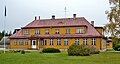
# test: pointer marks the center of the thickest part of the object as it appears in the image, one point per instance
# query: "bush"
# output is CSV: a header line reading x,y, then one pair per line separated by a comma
x,y
16,51
50,50
93,50
78,50
11,51
117,47
22,52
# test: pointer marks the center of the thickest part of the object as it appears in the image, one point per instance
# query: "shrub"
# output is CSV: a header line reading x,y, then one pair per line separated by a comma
x,y
16,51
78,50
22,52
11,51
117,47
50,50
40,52
93,50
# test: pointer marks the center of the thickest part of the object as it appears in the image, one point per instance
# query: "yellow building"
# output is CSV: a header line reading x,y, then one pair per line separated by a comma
x,y
58,33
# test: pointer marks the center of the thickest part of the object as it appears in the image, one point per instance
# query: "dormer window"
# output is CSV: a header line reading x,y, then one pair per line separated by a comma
x,y
57,31
26,32
37,32
46,31
79,30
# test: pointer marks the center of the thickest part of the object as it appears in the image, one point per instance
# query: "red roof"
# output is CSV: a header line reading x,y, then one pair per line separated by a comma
x,y
80,21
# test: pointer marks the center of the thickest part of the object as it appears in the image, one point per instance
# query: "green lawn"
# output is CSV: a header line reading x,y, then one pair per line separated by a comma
x,y
59,58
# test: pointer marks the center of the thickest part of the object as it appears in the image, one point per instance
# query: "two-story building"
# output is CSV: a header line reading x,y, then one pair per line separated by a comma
x,y
58,33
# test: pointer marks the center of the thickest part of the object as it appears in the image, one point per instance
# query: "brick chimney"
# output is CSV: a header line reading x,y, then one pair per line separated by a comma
x,y
53,16
92,23
74,15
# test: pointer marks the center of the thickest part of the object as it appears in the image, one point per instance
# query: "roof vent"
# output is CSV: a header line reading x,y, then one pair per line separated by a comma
x,y
53,16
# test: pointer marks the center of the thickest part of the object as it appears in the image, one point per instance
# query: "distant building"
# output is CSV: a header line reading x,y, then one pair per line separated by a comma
x,y
58,33
7,42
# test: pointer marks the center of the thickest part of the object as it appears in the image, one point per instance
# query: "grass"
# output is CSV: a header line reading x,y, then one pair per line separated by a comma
x,y
35,57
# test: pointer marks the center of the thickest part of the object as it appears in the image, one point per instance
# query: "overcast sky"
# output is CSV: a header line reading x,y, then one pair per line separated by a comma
x,y
22,12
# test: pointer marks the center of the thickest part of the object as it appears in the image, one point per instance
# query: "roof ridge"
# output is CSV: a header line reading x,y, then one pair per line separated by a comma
x,y
59,19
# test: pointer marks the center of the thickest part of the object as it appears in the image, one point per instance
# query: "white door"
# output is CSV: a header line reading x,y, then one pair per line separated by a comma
x,y
34,43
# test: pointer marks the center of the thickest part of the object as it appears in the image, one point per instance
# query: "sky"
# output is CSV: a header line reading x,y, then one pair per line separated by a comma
x,y
22,12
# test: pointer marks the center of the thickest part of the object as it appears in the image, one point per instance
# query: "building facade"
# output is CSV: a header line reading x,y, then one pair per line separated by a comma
x,y
58,33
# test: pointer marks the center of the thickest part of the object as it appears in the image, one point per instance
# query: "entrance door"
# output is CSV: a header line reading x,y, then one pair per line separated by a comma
x,y
34,43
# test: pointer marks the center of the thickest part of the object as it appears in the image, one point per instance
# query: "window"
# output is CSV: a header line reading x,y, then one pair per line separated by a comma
x,y
77,41
57,31
68,31
26,31
65,42
43,42
15,42
37,32
107,43
93,41
46,31
84,41
78,30
20,42
58,42
51,41
26,42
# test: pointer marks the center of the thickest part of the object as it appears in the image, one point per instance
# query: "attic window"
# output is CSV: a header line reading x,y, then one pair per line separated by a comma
x,y
79,30
60,22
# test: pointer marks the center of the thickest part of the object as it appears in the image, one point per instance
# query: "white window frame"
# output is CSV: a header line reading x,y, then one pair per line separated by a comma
x,y
85,41
44,42
93,41
26,32
37,32
65,42
107,43
77,41
15,42
51,41
68,31
79,30
47,31
26,42
57,31
58,42
20,42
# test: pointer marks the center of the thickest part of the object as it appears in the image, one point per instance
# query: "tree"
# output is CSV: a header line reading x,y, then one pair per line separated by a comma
x,y
113,27
6,34
10,33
